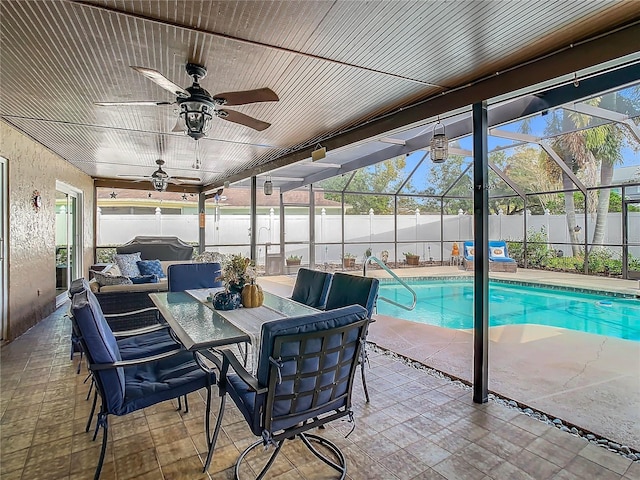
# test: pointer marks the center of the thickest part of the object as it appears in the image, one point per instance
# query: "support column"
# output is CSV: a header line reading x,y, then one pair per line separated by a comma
x,y
254,219
201,222
312,227
481,258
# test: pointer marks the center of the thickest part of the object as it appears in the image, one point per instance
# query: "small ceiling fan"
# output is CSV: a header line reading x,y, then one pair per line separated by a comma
x,y
198,107
161,179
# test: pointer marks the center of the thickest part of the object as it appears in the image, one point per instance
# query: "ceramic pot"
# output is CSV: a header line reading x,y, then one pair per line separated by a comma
x,y
226,301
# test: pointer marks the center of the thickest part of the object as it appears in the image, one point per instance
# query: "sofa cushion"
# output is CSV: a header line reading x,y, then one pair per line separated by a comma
x,y
104,280
151,267
128,264
144,279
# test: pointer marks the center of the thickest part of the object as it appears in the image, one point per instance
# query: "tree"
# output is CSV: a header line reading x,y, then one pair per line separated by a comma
x,y
383,177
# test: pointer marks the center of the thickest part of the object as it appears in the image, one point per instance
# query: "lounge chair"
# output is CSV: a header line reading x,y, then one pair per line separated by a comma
x,y
468,251
499,259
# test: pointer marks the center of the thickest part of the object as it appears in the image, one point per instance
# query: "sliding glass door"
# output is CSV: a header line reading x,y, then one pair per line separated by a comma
x,y
68,245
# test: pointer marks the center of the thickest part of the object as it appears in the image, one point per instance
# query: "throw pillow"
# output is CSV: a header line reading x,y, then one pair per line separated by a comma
x,y
128,264
151,267
497,252
144,279
103,279
113,271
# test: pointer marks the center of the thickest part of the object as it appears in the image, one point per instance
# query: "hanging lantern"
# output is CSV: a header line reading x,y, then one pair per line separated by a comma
x,y
268,186
439,145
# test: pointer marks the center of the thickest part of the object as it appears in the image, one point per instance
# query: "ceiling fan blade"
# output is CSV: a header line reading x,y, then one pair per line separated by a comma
x,y
143,102
186,179
242,119
162,81
248,96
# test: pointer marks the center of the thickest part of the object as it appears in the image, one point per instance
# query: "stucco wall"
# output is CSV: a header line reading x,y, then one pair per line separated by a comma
x,y
31,242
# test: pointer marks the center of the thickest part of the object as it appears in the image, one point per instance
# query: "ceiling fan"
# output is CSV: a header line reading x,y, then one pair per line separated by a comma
x,y
198,107
161,179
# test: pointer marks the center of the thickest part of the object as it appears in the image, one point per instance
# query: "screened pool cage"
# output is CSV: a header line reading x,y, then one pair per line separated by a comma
x,y
564,193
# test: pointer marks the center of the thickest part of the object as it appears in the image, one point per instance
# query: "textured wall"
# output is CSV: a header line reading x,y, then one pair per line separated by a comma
x,y
31,256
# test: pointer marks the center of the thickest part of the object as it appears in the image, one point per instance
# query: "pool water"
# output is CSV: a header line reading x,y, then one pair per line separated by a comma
x,y
449,304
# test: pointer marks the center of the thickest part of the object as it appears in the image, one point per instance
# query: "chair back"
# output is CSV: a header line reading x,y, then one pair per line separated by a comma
x,y
348,289
308,363
191,276
100,346
498,250
311,288
468,250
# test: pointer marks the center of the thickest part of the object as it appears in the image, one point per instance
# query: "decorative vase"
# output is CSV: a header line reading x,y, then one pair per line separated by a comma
x,y
226,301
252,296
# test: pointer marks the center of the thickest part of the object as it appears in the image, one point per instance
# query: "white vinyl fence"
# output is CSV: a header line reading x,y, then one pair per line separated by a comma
x,y
419,234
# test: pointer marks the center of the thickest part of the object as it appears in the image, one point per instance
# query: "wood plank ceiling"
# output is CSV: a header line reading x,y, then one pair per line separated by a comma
x,y
335,65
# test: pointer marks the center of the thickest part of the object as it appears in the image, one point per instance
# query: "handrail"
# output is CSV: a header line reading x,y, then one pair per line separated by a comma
x,y
400,281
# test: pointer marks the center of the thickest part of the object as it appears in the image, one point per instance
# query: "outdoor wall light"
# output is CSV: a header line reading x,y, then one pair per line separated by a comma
x,y
268,186
439,145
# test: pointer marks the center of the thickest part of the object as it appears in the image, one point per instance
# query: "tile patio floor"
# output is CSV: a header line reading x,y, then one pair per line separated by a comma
x,y
417,426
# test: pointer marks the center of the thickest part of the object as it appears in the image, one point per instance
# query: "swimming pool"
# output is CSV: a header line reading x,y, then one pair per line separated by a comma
x,y
449,303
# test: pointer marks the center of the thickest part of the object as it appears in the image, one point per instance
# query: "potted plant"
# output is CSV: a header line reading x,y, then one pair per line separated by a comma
x,y
236,273
412,258
349,260
294,260
367,253
384,256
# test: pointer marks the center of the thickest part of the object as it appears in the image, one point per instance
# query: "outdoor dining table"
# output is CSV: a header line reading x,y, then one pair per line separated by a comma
x,y
200,327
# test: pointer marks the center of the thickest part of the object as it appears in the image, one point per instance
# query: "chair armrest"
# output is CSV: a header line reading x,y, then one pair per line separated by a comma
x,y
140,331
229,359
137,361
133,312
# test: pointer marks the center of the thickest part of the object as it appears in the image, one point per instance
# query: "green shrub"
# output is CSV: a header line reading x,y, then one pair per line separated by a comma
x,y
537,252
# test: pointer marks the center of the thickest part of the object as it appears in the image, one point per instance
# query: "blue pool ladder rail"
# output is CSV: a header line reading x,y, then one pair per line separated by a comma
x,y
400,281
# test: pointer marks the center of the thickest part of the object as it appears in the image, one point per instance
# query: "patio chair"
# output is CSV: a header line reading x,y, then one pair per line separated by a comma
x,y
191,276
349,289
125,386
311,288
499,260
468,251
304,380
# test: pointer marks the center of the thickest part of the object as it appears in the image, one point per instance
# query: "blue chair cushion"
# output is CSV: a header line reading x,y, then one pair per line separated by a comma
x,y
311,287
151,267
156,382
145,345
498,252
144,279
189,276
468,251
101,344
352,290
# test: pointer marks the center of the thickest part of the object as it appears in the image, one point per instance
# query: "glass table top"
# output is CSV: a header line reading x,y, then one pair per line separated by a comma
x,y
198,326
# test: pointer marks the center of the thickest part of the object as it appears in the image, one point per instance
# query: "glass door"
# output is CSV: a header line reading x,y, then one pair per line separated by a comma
x,y
631,239
67,253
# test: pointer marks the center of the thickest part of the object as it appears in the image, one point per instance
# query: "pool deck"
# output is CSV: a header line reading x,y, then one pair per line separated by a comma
x,y
587,380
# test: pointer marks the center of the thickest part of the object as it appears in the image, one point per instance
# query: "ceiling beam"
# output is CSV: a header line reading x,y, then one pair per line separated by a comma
x,y
144,185
498,114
